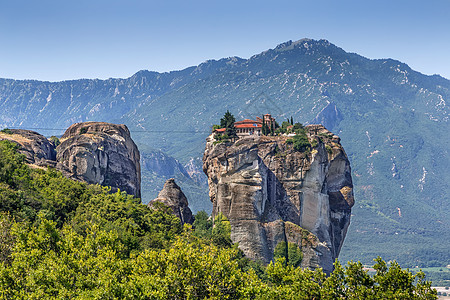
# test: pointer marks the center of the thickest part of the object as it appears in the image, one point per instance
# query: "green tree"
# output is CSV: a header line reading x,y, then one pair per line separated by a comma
x,y
228,122
291,253
202,225
221,231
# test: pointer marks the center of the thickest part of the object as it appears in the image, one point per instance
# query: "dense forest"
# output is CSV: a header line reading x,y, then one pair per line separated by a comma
x,y
63,239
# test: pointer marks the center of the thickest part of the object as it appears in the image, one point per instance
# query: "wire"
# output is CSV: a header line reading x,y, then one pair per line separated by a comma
x,y
132,131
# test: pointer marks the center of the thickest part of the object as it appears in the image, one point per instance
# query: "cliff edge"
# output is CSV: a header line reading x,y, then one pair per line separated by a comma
x,y
272,193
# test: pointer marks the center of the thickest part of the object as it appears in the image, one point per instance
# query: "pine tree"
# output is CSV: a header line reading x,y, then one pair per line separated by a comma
x,y
228,122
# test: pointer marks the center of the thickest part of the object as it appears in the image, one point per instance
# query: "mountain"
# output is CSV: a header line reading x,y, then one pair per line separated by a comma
x,y
393,122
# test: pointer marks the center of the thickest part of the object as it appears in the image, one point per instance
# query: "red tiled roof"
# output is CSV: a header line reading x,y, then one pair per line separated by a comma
x,y
246,121
253,125
220,130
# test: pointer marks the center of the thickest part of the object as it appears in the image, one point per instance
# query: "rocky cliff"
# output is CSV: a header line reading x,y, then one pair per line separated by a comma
x,y
93,152
103,153
38,150
272,193
172,196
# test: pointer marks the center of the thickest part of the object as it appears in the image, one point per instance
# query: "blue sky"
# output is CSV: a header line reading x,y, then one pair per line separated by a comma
x,y
61,39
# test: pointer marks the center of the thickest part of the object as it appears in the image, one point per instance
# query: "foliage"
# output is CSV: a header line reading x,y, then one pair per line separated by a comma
x,y
300,142
83,130
6,238
202,225
221,231
12,167
290,252
221,138
285,124
329,149
228,122
6,131
265,130
55,140
299,128
61,239
60,263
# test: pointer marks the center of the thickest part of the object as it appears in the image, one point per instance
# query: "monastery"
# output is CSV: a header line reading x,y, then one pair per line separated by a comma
x,y
250,127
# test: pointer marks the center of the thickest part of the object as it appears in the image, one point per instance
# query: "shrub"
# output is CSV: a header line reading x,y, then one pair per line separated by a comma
x,y
298,128
6,131
83,130
221,231
55,140
291,253
329,149
301,143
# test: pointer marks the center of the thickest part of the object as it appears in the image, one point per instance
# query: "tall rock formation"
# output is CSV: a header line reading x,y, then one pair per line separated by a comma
x,y
103,153
271,193
172,196
38,150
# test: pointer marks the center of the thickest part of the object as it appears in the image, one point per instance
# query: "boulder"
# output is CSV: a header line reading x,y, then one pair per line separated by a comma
x,y
38,150
101,153
172,196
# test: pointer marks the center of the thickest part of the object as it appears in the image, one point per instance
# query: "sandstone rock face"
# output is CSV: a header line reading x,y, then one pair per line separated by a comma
x,y
271,193
39,151
172,196
103,153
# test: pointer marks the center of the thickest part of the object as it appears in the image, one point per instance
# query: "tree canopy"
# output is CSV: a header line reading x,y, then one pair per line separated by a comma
x,y
228,122
62,239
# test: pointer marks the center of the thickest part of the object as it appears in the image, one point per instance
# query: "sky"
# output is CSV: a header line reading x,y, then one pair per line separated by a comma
x,y
57,40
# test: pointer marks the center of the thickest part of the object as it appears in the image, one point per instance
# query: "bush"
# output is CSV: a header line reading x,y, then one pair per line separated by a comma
x,y
83,130
298,128
291,253
301,143
55,140
202,225
6,131
221,231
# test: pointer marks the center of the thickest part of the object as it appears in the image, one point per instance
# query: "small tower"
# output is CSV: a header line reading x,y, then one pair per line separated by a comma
x,y
268,120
